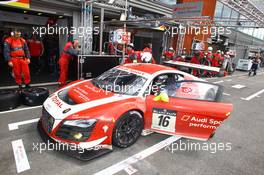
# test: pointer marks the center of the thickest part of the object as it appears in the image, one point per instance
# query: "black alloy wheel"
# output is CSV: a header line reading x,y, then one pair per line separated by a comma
x,y
128,129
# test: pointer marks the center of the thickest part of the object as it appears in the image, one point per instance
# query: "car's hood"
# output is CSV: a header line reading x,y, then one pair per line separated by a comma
x,y
60,110
87,92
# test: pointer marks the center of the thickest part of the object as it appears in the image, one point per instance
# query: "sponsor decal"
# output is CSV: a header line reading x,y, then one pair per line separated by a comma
x,y
133,71
56,100
105,128
66,110
186,90
185,118
201,122
82,94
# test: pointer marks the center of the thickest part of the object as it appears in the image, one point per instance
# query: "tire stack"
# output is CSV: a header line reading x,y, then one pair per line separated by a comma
x,y
34,96
11,99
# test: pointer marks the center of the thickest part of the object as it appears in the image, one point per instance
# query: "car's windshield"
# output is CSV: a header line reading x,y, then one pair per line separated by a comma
x,y
120,81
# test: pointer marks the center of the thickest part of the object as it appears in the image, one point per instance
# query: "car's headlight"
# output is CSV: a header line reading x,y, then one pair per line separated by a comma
x,y
80,123
76,130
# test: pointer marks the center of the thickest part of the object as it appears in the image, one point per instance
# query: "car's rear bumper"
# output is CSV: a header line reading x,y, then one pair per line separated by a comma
x,y
83,155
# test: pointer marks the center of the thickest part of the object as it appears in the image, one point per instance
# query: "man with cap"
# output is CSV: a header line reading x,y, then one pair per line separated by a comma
x,y
210,55
148,48
17,55
196,60
169,54
207,61
216,61
133,57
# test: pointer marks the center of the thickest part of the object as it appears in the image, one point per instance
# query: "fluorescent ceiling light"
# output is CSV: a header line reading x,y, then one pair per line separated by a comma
x,y
111,1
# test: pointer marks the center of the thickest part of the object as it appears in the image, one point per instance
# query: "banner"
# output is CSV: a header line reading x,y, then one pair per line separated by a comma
x,y
188,9
191,65
16,3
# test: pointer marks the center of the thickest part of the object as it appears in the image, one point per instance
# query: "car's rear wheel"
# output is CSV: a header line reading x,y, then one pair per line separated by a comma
x,y
128,129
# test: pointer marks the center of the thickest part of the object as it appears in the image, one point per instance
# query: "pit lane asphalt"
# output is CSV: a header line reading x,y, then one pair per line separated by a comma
x,y
244,130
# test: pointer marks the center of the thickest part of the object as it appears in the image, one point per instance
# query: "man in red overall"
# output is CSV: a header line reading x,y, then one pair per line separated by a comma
x,y
148,48
36,50
69,52
133,56
207,60
169,54
196,60
215,61
17,55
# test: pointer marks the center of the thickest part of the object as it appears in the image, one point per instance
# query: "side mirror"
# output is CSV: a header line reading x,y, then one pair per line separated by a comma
x,y
163,97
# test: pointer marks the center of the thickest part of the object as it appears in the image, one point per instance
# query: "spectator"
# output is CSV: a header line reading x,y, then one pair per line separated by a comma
x,y
255,65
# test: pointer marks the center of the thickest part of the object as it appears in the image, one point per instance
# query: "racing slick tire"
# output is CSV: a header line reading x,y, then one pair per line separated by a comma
x,y
127,129
34,96
9,99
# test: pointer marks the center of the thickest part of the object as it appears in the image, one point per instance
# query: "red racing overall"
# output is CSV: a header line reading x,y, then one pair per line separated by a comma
x,y
196,60
169,55
67,55
133,57
16,51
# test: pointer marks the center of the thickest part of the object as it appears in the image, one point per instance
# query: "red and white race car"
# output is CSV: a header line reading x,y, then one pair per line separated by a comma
x,y
118,106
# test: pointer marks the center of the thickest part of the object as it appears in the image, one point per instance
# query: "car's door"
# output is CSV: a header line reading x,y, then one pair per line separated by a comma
x,y
194,110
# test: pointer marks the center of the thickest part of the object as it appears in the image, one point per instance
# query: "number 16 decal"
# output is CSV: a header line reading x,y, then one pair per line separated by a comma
x,y
164,120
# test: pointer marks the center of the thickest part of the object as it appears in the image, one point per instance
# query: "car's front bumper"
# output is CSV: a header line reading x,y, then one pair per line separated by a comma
x,y
84,155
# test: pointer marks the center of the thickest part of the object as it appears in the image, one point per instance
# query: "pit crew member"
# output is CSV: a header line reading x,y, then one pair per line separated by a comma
x,y
17,55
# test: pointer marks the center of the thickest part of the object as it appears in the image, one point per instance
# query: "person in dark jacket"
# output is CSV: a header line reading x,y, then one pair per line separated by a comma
x,y
254,67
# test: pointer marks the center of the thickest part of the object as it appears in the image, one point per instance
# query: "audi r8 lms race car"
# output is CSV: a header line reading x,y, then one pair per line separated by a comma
x,y
127,101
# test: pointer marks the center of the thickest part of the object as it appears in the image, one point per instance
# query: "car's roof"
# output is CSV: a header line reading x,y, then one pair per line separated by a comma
x,y
148,68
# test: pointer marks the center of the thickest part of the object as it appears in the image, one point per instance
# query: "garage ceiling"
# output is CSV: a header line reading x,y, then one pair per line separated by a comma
x,y
259,4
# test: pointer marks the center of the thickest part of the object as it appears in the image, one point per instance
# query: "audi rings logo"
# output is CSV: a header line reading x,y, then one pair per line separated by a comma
x,y
185,118
7,1
186,90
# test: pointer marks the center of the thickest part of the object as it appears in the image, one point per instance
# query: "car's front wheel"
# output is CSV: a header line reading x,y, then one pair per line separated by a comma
x,y
128,129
